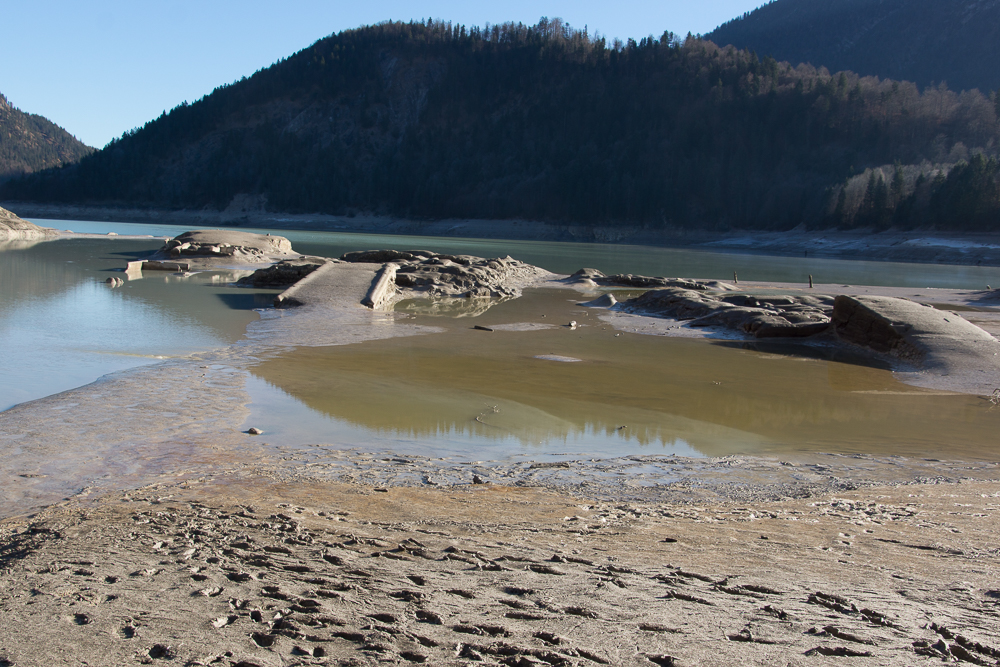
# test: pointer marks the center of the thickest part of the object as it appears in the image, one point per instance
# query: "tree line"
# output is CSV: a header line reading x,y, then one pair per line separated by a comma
x,y
30,143
546,122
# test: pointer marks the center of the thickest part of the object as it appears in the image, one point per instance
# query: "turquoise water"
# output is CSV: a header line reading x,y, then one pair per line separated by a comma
x,y
615,258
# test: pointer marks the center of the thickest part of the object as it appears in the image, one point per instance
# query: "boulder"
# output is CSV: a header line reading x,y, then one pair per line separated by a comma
x,y
603,301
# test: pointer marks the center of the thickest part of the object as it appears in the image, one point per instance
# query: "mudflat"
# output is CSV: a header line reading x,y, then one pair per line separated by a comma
x,y
244,552
251,571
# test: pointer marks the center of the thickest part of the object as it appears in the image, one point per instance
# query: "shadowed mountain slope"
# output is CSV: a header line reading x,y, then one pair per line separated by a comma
x,y
924,41
30,143
431,120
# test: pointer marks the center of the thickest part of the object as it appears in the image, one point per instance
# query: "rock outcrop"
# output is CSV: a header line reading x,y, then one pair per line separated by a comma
x,y
208,248
762,317
908,330
283,274
424,273
948,351
595,277
14,228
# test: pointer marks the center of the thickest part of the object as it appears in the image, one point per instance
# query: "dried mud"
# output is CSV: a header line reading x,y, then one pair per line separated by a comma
x,y
249,572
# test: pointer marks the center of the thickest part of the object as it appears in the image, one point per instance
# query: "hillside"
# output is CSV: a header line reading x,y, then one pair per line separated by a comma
x,y
547,123
924,41
30,143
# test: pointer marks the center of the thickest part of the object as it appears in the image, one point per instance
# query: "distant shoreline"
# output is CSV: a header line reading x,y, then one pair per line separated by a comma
x,y
919,246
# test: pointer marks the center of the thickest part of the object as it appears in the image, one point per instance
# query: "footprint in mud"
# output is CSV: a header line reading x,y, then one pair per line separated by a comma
x,y
160,652
128,631
384,618
464,594
413,656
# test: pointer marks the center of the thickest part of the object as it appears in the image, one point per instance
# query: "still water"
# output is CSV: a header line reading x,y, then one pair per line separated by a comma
x,y
473,391
62,327
591,391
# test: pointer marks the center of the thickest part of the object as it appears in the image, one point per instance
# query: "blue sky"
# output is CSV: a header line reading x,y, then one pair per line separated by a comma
x,y
99,68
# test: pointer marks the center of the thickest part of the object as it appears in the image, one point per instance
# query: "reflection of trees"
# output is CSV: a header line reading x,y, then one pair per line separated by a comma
x,y
661,390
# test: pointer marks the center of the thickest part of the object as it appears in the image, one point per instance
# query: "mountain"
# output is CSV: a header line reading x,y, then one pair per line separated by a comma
x,y
924,41
431,120
30,143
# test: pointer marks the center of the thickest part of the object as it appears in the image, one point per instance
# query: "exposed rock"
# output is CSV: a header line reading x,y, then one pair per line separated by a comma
x,y
284,273
383,256
595,277
910,331
383,288
423,273
208,248
603,301
764,317
14,228
646,282
156,265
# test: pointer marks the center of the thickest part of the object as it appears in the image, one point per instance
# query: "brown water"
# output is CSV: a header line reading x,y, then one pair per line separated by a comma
x,y
517,390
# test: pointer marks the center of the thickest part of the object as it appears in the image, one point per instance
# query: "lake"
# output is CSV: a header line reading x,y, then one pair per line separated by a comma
x,y
466,391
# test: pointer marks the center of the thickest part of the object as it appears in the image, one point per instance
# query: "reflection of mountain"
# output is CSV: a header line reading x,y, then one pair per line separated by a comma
x,y
18,244
718,400
33,270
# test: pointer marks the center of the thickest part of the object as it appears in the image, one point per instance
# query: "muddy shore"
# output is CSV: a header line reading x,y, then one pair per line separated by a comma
x,y
249,571
923,246
168,535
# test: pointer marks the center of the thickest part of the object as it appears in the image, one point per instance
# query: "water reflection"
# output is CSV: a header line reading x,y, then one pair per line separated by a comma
x,y
630,393
63,327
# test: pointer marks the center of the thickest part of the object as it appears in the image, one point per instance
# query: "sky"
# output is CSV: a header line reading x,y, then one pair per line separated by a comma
x,y
101,67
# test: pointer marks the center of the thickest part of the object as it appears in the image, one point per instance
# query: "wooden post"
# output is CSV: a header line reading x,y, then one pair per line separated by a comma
x,y
810,281
736,280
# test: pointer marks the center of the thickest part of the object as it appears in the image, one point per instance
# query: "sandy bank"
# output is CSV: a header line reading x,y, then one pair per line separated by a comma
x,y
910,246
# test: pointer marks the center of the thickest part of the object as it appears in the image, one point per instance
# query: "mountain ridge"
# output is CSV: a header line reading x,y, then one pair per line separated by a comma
x,y
924,41
31,143
432,121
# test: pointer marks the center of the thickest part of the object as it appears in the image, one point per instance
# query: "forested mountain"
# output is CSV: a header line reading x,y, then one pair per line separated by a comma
x,y
924,41
547,123
30,143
